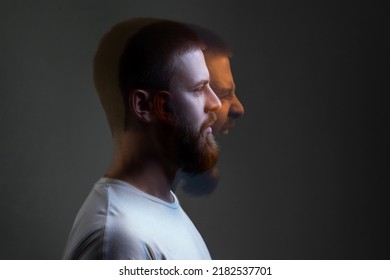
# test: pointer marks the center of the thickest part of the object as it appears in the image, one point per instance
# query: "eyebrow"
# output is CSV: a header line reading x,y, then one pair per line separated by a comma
x,y
223,90
201,83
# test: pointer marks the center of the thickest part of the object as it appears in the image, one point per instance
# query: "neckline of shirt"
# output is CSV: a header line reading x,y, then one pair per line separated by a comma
x,y
118,182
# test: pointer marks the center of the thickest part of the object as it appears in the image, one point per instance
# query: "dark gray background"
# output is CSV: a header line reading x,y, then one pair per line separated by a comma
x,y
305,173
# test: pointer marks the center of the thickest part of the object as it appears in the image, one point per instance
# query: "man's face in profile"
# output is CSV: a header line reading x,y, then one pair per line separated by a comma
x,y
221,81
194,105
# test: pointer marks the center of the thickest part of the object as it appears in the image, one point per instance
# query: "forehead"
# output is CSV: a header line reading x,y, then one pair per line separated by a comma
x,y
190,68
219,68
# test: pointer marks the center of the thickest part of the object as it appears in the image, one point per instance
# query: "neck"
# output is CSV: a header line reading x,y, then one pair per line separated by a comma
x,y
137,163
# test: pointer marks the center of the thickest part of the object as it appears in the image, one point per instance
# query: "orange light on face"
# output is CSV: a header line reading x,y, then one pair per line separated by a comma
x,y
222,83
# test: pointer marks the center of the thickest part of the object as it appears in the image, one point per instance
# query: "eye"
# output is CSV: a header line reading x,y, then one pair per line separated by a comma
x,y
199,89
224,94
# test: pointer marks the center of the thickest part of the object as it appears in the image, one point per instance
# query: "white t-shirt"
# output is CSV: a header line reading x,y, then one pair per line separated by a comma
x,y
119,221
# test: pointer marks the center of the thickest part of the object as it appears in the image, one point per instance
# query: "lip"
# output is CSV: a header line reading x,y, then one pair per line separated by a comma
x,y
209,130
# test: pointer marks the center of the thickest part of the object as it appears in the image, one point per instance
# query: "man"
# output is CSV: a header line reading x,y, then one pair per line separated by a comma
x,y
161,121
217,55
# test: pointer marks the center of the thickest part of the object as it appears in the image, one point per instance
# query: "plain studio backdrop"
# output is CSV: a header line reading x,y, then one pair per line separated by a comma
x,y
305,173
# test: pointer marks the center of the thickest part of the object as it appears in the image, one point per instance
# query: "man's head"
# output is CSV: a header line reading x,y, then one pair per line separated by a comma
x,y
164,83
217,55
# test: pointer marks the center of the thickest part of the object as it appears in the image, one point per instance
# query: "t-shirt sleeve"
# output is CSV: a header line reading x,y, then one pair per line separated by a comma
x,y
109,244
89,247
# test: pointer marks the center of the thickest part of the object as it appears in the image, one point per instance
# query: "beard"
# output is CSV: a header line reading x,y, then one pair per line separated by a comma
x,y
197,151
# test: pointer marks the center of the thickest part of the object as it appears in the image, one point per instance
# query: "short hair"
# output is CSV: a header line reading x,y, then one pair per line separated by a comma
x,y
213,42
142,53
148,59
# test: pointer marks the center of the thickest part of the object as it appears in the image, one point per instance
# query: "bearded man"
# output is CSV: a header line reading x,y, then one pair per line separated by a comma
x,y
160,108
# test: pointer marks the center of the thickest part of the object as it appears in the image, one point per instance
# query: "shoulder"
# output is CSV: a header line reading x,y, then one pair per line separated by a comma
x,y
102,230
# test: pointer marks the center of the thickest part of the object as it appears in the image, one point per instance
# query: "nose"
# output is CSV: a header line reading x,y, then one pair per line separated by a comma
x,y
236,109
212,103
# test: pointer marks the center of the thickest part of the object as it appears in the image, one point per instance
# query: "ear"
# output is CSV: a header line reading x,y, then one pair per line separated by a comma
x,y
141,105
161,103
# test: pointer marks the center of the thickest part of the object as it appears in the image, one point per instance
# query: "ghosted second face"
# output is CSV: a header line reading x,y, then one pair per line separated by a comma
x,y
222,83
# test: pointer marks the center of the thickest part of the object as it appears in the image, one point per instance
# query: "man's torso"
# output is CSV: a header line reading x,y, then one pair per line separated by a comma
x,y
119,221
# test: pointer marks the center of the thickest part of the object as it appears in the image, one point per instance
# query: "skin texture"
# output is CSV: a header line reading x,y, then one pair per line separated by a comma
x,y
221,81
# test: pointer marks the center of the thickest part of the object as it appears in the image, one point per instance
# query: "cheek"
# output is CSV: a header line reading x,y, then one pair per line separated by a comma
x,y
191,109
